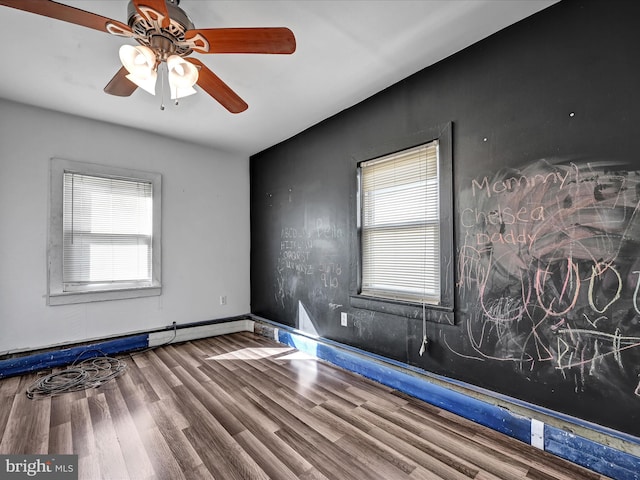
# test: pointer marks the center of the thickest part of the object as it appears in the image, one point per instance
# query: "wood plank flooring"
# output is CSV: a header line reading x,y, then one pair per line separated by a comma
x,y
245,407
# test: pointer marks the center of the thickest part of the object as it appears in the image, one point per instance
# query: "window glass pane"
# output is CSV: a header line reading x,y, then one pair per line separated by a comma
x,y
400,225
107,230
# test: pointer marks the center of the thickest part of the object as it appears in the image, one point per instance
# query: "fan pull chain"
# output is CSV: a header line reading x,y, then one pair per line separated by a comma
x,y
161,89
162,75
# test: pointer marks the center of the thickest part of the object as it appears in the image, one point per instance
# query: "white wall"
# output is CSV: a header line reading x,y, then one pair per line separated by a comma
x,y
205,215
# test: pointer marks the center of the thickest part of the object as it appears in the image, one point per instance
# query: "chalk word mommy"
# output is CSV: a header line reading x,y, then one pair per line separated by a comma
x,y
520,181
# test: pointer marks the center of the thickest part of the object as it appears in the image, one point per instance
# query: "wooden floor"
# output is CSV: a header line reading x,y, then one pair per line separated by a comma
x,y
245,407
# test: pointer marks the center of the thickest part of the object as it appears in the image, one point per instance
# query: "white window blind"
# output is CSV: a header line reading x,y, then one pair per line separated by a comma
x,y
107,232
401,225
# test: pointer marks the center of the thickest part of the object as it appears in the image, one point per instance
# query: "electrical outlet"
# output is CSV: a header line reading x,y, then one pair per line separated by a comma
x,y
344,319
223,299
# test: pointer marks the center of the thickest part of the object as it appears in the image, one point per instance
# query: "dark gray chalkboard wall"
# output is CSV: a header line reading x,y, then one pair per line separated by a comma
x,y
546,159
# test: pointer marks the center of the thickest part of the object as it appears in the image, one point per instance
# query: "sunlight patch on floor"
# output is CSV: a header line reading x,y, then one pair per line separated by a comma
x,y
252,353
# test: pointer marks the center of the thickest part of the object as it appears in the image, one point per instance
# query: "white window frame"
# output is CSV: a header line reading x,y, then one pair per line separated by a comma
x,y
56,294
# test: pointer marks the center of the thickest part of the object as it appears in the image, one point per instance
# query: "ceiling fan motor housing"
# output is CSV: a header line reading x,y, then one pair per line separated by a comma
x,y
163,41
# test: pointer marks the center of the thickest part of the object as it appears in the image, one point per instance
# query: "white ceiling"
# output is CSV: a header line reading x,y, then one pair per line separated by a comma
x,y
346,52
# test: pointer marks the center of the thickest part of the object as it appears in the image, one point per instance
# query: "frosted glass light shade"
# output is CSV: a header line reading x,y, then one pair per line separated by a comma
x,y
148,84
140,62
182,77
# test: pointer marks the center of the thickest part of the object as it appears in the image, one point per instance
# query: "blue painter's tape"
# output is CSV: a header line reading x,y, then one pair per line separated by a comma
x,y
595,456
581,451
31,363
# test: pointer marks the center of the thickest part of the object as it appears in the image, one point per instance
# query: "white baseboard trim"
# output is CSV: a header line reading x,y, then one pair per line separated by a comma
x,y
200,331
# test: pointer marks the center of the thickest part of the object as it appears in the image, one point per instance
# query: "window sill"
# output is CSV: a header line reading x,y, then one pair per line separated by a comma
x,y
68,298
433,313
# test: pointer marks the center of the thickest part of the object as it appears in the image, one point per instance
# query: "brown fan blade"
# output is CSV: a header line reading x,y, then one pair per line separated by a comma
x,y
214,86
155,11
69,14
120,85
241,40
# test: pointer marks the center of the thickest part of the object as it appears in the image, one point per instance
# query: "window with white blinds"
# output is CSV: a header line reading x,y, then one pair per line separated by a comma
x,y
104,233
400,225
107,228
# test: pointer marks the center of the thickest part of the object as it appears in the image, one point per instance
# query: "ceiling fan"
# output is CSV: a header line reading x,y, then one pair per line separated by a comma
x,y
166,35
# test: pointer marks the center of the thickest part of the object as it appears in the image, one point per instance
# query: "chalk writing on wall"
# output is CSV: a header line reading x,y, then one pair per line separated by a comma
x,y
309,265
549,272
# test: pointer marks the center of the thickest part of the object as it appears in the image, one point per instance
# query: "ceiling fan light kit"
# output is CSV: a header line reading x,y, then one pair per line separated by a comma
x,y
166,34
